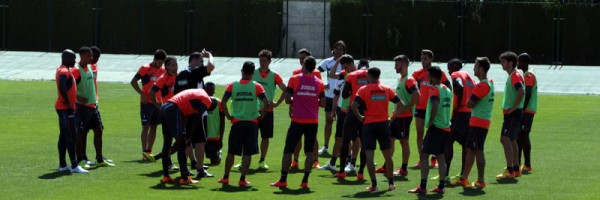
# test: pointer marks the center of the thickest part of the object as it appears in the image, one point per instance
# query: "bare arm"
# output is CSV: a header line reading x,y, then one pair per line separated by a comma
x,y
136,87
434,109
283,95
62,87
225,109
211,63
152,96
354,109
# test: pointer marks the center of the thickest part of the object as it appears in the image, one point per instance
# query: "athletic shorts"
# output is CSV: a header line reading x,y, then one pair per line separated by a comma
x,y
295,134
400,128
352,127
476,138
527,122
339,124
328,104
195,128
265,126
174,121
376,132
212,151
460,126
89,118
243,138
420,113
512,124
435,141
149,114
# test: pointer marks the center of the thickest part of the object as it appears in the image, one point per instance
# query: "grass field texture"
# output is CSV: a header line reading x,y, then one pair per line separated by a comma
x,y
564,156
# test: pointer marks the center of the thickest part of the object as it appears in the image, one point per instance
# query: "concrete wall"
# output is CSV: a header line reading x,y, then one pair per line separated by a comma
x,y
308,23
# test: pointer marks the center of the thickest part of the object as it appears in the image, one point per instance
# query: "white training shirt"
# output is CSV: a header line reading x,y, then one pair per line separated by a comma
x,y
326,65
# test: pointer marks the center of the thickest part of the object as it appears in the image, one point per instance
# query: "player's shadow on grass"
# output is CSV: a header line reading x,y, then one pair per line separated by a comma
x,y
341,181
229,188
368,194
472,192
506,181
137,161
254,171
430,196
398,178
54,175
163,186
153,174
293,192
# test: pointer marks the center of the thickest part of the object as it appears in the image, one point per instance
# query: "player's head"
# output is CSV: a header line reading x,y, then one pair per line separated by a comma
x,y
401,64
68,58
347,63
426,58
373,74
523,61
195,60
363,63
454,64
159,57
435,75
248,69
210,88
339,48
309,65
96,51
85,55
264,57
302,54
171,65
508,60
482,66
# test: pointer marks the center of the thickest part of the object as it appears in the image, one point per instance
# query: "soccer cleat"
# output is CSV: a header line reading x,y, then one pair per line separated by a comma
x,y
327,166
224,181
360,176
149,157
433,163
477,185
187,181
418,165
418,190
461,182
455,178
173,168
244,183
517,174
64,169
238,166
381,170
316,164
304,185
340,175
372,189
526,169
279,184
79,170
294,164
262,165
106,164
438,190
435,178
88,164
505,175
401,172
350,168
166,179
323,151
203,174
391,187
107,160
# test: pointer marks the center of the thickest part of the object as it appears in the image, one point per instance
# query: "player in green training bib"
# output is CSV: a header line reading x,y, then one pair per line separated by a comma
x,y
530,108
214,123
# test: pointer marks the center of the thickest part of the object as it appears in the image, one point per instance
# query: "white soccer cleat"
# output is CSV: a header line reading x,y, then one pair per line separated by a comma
x,y
350,168
328,166
79,170
64,169
173,168
323,151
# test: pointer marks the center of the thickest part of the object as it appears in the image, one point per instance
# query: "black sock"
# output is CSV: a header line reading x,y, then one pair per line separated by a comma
x,y
193,163
404,166
243,178
261,160
383,166
510,169
374,182
390,181
283,177
527,164
516,168
442,184
305,178
225,176
296,160
353,161
423,184
333,160
158,156
326,146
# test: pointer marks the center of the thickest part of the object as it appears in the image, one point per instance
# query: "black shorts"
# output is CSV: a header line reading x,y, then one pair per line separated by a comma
x,y
339,125
243,138
476,138
352,127
527,122
150,114
265,125
328,104
420,113
379,131
211,149
89,118
512,124
460,126
435,141
195,128
400,128
174,121
295,134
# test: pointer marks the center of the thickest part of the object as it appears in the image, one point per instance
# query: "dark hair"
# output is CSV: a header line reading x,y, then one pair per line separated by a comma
x,y
310,63
340,42
402,58
455,62
435,72
510,57
84,49
160,54
427,52
209,83
483,62
304,51
364,62
169,59
524,57
248,68
96,50
265,53
374,72
195,55
346,59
